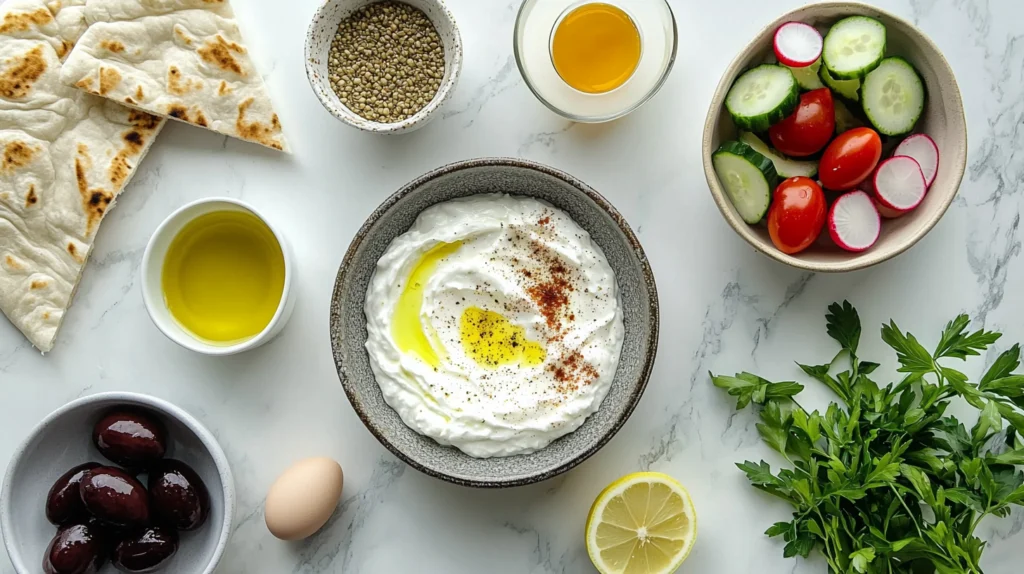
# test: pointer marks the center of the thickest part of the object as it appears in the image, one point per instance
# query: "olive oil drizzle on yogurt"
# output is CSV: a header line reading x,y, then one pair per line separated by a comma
x,y
223,277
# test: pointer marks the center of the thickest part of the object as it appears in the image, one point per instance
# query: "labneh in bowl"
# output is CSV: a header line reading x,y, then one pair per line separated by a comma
x,y
943,120
63,440
607,228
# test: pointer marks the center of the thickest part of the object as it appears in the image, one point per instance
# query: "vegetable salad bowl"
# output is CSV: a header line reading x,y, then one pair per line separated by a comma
x,y
943,120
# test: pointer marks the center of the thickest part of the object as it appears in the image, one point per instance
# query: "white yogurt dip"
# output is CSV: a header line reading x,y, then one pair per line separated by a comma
x,y
494,325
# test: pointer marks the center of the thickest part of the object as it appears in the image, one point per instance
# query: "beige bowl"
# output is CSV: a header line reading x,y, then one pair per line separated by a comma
x,y
943,120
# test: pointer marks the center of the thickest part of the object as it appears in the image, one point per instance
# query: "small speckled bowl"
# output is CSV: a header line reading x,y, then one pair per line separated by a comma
x,y
318,45
943,120
64,439
607,228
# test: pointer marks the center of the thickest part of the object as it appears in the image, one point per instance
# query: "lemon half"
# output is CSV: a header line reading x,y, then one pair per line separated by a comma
x,y
643,523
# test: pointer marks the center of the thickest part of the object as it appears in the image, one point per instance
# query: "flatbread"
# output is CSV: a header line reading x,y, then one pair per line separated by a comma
x,y
64,158
182,59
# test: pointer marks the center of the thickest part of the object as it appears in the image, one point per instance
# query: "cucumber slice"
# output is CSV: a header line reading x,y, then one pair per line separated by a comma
x,y
748,178
784,166
762,96
845,119
807,76
849,89
893,97
853,47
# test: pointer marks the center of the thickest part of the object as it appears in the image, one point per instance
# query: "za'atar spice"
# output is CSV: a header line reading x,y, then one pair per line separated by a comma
x,y
386,61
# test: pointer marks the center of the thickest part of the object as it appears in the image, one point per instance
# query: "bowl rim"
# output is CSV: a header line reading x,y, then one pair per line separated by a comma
x,y
594,119
417,119
653,308
164,408
856,261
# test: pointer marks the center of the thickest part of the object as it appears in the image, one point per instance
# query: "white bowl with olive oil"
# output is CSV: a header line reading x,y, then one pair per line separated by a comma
x,y
595,60
216,278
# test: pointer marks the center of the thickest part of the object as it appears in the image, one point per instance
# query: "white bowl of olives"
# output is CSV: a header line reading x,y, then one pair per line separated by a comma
x,y
117,480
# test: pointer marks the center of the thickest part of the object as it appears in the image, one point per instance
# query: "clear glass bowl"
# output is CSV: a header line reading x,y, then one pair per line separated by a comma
x,y
533,33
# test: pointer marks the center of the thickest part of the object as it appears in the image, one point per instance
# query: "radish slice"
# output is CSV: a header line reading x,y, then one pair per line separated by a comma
x,y
923,149
888,213
900,184
853,221
868,187
797,45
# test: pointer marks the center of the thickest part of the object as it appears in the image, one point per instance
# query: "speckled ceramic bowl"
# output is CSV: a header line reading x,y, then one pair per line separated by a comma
x,y
607,228
318,45
943,120
64,439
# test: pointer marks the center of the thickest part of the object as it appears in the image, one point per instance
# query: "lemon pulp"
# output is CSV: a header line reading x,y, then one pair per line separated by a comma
x,y
492,340
407,326
223,277
643,523
596,48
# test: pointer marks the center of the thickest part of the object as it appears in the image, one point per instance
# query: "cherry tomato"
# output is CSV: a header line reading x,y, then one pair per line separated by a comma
x,y
797,215
850,159
808,129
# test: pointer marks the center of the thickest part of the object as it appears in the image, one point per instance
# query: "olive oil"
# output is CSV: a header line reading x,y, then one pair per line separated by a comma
x,y
223,277
493,341
596,48
407,327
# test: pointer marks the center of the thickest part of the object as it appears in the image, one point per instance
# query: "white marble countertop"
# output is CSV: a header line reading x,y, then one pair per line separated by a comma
x,y
724,308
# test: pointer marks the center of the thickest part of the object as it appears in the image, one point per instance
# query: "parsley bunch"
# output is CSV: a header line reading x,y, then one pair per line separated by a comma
x,y
885,481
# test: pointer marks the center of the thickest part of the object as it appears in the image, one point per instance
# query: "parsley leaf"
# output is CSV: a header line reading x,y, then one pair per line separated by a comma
x,y
843,324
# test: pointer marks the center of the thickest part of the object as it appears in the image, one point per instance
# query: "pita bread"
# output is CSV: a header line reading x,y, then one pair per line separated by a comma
x,y
64,158
182,59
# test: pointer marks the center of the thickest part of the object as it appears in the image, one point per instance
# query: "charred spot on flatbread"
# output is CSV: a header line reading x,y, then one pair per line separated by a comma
x,y
85,84
31,198
257,131
180,112
143,121
185,39
94,201
24,21
21,73
179,86
64,48
109,79
224,89
13,263
73,251
16,154
37,284
120,167
219,53
112,46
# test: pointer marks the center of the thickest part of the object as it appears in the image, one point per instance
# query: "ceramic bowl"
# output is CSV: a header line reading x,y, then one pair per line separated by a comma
x,y
394,217
943,120
152,271
538,18
318,45
64,440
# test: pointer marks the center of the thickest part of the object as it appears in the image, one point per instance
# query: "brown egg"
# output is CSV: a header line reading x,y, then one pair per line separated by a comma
x,y
303,498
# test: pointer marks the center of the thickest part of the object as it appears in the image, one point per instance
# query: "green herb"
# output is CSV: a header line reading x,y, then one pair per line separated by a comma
x,y
885,481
